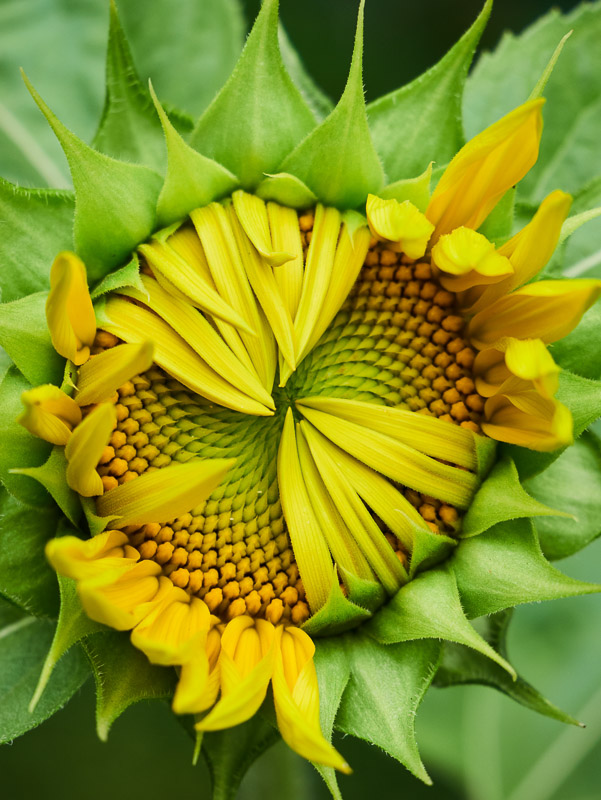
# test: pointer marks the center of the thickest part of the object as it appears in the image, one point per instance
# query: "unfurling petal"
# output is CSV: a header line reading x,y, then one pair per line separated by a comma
x,y
516,366
485,168
466,258
49,413
101,376
198,684
69,310
528,420
87,558
85,447
296,699
402,224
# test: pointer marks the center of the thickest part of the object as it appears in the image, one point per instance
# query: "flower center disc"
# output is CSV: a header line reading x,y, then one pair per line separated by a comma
x,y
396,341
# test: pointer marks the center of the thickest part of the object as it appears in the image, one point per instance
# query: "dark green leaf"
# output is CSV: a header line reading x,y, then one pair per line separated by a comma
x,y
26,578
259,115
504,567
19,447
123,676
35,225
386,686
129,128
25,641
421,121
573,482
337,160
25,337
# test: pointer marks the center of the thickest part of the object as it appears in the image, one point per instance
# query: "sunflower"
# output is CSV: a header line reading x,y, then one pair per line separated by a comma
x,y
292,403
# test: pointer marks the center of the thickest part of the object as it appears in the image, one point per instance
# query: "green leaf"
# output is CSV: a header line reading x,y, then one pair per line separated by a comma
x,y
25,641
25,337
35,225
129,275
192,179
429,549
229,753
422,121
115,201
259,115
52,476
319,103
26,578
581,252
505,567
19,447
386,686
287,190
429,607
123,676
333,673
579,351
337,160
416,190
73,625
460,665
573,482
129,127
337,615
497,227
501,498
505,78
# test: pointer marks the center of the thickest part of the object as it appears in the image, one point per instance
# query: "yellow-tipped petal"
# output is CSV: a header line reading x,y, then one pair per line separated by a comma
x,y
86,558
186,244
286,237
546,310
100,377
121,599
164,494
49,413
485,168
528,251
84,448
199,679
395,459
516,366
307,538
246,663
296,700
403,224
170,634
528,420
135,324
69,310
468,259
252,213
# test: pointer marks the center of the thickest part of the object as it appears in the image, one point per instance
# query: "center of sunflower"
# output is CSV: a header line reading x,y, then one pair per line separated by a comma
x,y
396,341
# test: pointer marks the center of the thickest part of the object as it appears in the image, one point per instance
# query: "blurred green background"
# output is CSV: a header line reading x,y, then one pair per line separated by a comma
x,y
477,744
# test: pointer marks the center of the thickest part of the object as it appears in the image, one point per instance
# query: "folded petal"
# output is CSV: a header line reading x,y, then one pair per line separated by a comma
x,y
69,310
516,366
199,677
49,413
101,376
466,258
85,447
485,168
528,420
403,224
86,558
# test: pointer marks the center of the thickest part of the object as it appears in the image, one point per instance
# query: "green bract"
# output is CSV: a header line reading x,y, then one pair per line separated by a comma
x,y
269,130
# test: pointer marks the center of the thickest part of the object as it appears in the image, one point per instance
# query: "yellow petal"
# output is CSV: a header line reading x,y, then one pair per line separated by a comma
x,y
121,599
199,679
485,168
49,413
86,558
546,310
100,377
174,628
69,310
307,538
252,213
286,237
246,663
296,700
528,420
468,259
528,251
516,366
84,448
400,223
164,494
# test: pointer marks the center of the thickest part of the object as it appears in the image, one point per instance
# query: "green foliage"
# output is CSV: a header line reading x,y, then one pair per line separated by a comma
x,y
573,482
337,615
318,102
129,275
504,567
338,160
416,190
36,225
421,122
579,351
25,641
19,447
123,676
259,115
26,578
286,189
386,686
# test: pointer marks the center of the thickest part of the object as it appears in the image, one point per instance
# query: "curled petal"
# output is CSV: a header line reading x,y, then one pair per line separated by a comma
x,y
468,259
69,310
85,447
198,684
49,413
516,366
528,420
87,558
400,223
101,376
